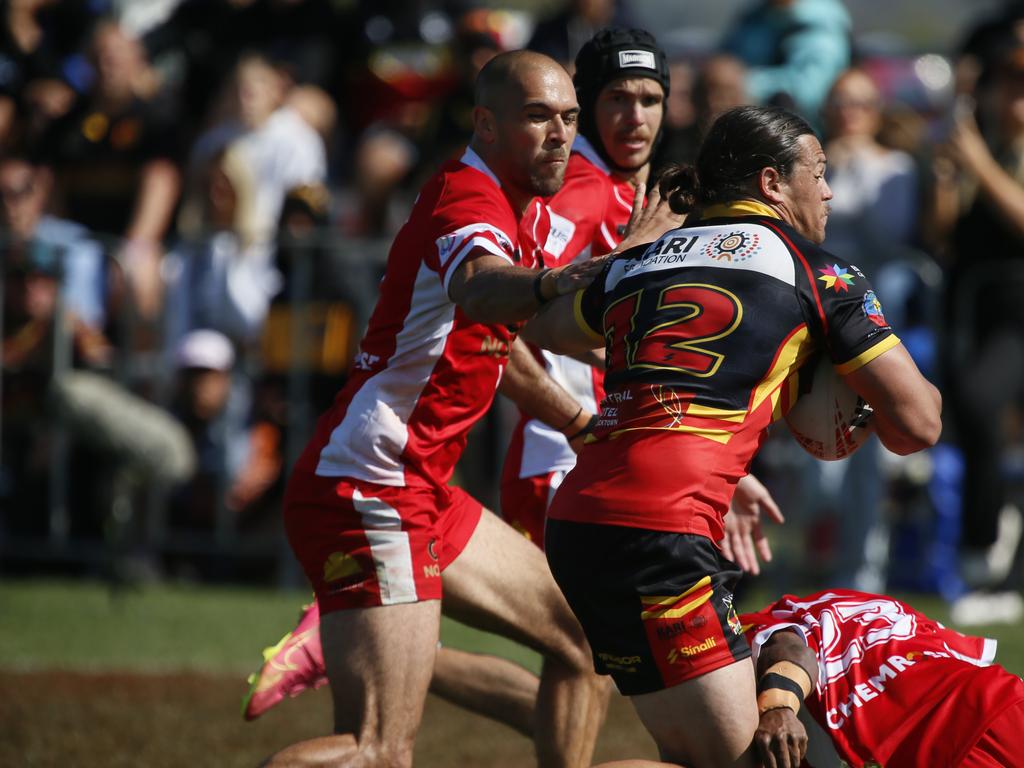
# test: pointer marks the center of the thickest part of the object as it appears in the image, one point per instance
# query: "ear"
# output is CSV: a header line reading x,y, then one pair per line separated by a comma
x,y
770,184
484,125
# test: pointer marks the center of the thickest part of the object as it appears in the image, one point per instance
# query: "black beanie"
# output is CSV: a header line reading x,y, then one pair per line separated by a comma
x,y
612,53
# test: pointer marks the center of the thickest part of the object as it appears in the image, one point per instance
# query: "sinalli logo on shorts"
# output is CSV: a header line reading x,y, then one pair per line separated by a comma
x,y
691,650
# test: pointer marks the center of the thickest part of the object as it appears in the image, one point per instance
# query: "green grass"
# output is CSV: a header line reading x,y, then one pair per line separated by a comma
x,y
84,626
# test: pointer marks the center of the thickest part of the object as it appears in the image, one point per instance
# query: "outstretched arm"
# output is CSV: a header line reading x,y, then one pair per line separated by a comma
x,y
786,673
528,385
490,290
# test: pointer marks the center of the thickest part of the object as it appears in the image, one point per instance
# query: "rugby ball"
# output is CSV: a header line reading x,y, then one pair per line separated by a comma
x,y
828,419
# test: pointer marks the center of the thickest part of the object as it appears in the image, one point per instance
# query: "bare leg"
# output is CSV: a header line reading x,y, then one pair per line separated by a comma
x,y
720,718
379,663
488,685
501,583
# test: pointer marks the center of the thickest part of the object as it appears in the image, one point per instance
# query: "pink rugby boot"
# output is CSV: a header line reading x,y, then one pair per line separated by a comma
x,y
295,664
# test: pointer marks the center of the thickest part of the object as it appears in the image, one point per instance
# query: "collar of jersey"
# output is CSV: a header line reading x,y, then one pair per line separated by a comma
x,y
472,159
583,146
738,208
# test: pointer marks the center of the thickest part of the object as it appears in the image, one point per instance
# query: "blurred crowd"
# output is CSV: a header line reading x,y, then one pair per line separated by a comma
x,y
196,197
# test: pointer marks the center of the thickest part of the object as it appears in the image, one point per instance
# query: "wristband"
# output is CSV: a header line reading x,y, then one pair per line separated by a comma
x,y
571,421
586,430
775,691
538,294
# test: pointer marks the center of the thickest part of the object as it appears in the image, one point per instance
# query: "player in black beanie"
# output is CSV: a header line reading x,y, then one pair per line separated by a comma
x,y
616,53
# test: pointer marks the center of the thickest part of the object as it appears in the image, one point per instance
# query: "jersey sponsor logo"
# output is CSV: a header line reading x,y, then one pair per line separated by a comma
x,y
562,230
836,278
643,59
676,628
733,246
873,310
667,251
364,361
689,651
861,693
494,347
734,621
446,246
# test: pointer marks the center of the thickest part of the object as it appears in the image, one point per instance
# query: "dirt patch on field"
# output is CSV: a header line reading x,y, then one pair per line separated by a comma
x,y
151,721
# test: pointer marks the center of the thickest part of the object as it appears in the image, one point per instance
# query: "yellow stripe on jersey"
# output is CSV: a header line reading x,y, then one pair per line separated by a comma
x,y
738,208
868,355
797,348
660,607
577,310
710,412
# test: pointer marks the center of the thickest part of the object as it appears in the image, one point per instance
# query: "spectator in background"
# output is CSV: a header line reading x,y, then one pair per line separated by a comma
x,y
24,191
205,38
237,462
562,35
131,444
114,158
876,208
280,149
718,86
873,224
38,56
984,309
223,278
794,49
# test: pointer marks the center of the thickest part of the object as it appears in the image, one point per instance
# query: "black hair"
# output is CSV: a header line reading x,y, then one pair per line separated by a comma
x,y
613,53
738,145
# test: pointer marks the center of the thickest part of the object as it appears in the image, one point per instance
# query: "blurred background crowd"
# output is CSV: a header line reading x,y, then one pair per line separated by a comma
x,y
198,197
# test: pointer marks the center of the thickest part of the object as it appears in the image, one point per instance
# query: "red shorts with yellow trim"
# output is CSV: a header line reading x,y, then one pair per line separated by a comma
x,y
524,502
363,544
656,606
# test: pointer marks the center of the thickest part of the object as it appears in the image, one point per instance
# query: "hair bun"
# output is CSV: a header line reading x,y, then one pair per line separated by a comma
x,y
680,185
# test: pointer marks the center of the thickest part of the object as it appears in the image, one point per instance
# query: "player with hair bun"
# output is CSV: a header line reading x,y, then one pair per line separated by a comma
x,y
703,330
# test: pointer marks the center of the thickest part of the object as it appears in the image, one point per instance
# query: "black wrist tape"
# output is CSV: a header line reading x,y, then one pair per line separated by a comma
x,y
775,680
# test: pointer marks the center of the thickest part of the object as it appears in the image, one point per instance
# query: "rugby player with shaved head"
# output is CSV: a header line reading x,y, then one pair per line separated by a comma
x,y
368,510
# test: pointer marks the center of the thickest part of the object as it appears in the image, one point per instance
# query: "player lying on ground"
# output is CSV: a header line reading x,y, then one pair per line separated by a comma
x,y
887,685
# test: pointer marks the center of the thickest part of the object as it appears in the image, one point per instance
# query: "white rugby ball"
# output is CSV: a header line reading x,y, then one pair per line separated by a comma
x,y
829,420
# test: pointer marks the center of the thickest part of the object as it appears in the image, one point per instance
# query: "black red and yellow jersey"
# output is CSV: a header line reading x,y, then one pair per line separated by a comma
x,y
703,331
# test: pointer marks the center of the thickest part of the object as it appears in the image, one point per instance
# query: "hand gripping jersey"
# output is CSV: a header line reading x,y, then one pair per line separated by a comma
x,y
425,372
891,681
703,331
588,218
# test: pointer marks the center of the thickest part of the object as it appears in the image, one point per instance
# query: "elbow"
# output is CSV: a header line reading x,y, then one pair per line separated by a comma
x,y
922,430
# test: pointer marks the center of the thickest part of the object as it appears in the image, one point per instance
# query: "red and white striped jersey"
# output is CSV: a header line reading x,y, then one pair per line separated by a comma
x,y
890,677
425,372
588,218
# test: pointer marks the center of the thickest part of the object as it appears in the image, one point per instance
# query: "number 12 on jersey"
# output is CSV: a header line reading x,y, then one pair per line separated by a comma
x,y
680,321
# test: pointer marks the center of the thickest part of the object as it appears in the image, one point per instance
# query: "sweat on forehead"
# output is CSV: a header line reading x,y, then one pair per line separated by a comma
x,y
503,78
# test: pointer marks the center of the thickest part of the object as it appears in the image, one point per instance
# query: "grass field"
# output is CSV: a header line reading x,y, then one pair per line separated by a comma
x,y
155,676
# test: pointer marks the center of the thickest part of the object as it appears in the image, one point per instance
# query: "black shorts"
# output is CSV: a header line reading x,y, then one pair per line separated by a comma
x,y
656,606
